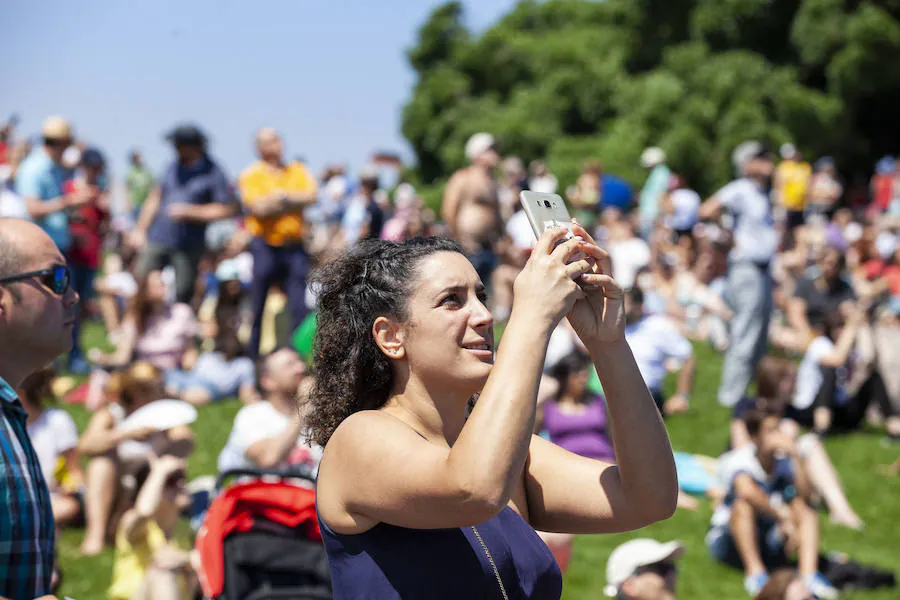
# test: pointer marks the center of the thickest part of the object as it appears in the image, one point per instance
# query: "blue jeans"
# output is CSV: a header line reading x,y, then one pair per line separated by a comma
x,y
287,265
82,281
722,548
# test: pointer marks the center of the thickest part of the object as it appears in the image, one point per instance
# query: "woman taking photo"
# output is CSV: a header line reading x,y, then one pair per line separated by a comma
x,y
423,493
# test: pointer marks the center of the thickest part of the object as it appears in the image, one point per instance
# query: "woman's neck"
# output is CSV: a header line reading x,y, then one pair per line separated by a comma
x,y
438,415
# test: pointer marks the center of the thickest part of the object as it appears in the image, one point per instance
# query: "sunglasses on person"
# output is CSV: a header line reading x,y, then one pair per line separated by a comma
x,y
55,278
58,142
663,569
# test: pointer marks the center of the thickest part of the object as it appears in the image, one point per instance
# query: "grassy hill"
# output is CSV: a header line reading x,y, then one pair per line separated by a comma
x,y
876,498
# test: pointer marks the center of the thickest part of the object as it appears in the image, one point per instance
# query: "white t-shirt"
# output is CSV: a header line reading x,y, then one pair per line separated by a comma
x,y
809,375
654,340
52,434
628,257
257,422
519,230
545,185
12,204
732,464
755,238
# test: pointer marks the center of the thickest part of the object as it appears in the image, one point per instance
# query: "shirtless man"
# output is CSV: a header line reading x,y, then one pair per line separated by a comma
x,y
471,207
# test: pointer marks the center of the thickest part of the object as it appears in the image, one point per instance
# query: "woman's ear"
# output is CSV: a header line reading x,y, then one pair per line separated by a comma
x,y
388,336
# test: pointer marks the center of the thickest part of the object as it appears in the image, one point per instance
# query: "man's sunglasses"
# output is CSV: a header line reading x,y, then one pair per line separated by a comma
x,y
58,142
56,278
663,569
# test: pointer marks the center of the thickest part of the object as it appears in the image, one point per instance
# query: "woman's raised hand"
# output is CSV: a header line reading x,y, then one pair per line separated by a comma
x,y
598,315
546,288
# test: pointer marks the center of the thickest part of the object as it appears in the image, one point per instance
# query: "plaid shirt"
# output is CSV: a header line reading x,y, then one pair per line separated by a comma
x,y
26,519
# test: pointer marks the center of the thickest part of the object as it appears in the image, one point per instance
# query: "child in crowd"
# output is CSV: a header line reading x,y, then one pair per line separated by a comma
x,y
149,564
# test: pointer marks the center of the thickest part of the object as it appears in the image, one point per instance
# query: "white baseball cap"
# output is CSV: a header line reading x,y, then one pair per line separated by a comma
x,y
630,556
652,157
787,151
478,144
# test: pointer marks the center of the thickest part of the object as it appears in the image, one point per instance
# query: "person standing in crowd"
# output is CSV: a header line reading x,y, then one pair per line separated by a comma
x,y
655,187
171,228
274,193
413,461
364,218
87,228
825,191
471,207
749,292
139,182
41,179
791,183
643,569
37,313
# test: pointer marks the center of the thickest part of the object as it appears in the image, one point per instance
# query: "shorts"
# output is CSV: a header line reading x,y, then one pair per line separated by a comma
x,y
722,548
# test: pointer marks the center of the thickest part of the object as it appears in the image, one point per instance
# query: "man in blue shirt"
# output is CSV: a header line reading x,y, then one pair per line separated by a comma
x,y
192,193
40,180
747,202
37,313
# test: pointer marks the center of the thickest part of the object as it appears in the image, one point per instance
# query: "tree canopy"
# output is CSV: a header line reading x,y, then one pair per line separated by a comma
x,y
570,79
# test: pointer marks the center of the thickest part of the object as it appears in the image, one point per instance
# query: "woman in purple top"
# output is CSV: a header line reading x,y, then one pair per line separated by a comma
x,y
576,419
423,493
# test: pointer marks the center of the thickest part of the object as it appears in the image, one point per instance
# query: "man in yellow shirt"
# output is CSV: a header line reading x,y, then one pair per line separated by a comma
x,y
792,178
274,194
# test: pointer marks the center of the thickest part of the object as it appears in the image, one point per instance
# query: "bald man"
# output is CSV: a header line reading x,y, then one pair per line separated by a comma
x,y
37,313
275,194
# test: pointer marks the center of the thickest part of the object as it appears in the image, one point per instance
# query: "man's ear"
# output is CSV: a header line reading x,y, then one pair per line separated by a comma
x,y
389,337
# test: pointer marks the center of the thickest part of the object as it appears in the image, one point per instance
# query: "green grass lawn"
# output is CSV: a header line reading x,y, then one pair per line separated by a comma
x,y
876,498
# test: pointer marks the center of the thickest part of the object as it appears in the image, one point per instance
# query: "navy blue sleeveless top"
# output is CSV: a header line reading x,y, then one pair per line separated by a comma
x,y
389,562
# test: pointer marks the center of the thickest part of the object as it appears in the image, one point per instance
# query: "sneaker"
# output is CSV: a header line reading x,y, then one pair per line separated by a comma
x,y
821,587
754,583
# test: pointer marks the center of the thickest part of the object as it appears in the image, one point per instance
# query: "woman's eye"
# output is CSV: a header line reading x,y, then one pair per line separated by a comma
x,y
452,299
483,297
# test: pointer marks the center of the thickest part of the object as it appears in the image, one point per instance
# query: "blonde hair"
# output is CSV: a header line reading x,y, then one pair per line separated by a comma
x,y
134,382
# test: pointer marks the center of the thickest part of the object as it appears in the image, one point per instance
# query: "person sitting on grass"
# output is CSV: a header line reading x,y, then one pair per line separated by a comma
x,y
828,397
148,563
55,439
766,510
223,373
114,453
775,378
154,329
643,569
655,341
269,434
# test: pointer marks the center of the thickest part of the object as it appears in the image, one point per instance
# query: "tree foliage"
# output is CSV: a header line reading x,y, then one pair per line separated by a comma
x,y
571,79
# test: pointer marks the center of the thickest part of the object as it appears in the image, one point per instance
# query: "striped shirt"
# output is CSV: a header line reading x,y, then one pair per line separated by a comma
x,y
26,519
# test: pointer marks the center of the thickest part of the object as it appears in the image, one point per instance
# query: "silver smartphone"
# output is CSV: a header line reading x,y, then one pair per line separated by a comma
x,y
545,210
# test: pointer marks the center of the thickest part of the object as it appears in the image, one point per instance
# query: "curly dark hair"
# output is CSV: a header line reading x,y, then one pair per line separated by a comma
x,y
374,279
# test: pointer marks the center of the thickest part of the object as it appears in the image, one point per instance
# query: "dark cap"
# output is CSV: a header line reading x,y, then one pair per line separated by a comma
x,y
92,158
187,135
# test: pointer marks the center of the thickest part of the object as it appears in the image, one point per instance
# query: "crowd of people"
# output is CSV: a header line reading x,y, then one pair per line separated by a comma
x,y
202,286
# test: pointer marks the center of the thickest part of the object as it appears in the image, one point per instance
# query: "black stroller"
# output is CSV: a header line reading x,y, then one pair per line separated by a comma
x,y
260,539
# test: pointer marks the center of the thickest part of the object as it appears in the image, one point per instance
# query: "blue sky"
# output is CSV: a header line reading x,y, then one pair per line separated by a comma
x,y
330,74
